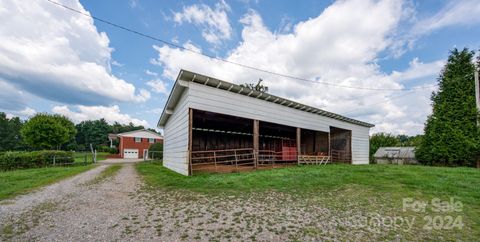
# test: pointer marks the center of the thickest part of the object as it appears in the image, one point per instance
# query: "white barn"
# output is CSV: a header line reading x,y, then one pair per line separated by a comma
x,y
215,126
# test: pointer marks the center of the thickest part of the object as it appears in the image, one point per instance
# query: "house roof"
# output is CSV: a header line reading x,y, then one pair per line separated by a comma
x,y
112,136
187,76
140,133
395,152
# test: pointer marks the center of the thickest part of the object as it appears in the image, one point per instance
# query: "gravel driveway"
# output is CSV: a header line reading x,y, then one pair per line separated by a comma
x,y
75,209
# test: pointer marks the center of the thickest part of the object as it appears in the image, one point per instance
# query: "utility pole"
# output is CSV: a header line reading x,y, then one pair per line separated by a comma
x,y
477,99
477,90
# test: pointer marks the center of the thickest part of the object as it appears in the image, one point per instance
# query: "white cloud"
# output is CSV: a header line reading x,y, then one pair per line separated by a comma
x,y
158,86
151,73
214,22
111,114
24,114
418,70
341,45
116,63
466,12
143,95
27,112
134,3
59,55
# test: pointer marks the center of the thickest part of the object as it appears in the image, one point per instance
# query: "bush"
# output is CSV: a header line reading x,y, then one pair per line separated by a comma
x,y
156,150
107,149
113,150
22,160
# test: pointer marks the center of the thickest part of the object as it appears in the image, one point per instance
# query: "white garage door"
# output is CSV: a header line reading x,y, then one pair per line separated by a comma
x,y
130,153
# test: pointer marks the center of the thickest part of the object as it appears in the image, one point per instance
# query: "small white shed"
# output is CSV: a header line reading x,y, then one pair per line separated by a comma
x,y
217,126
395,155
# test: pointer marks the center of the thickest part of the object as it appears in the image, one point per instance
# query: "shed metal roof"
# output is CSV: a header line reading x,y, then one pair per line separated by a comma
x,y
188,76
395,152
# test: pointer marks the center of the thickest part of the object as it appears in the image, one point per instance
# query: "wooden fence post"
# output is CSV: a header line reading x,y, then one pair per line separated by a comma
x,y
236,160
299,143
215,160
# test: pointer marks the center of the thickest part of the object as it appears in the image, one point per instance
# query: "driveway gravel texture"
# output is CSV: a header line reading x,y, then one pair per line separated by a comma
x,y
123,208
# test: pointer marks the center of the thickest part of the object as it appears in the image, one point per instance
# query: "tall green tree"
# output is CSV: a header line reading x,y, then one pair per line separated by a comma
x,y
451,133
93,132
10,138
46,131
121,128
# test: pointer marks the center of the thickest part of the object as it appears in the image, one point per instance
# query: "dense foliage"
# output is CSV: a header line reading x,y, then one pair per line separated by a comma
x,y
451,133
117,128
93,132
388,140
10,138
20,160
156,150
107,149
46,131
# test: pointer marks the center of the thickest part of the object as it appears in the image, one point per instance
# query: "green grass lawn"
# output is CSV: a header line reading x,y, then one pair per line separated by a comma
x,y
80,157
13,183
366,187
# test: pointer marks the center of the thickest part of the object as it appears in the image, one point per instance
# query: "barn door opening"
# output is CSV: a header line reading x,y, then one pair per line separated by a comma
x,y
341,145
221,143
277,145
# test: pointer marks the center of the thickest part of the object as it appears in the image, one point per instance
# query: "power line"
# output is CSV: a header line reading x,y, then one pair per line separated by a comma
x,y
225,60
373,104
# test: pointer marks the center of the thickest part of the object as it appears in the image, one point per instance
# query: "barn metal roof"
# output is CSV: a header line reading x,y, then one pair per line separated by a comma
x,y
188,76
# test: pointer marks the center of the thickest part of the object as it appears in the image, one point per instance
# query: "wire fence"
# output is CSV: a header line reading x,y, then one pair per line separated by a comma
x,y
154,156
18,161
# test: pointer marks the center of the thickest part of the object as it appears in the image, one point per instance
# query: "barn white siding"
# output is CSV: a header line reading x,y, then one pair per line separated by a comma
x,y
360,145
214,100
175,155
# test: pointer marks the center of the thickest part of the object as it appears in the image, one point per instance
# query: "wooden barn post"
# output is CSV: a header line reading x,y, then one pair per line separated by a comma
x,y
256,141
299,143
190,133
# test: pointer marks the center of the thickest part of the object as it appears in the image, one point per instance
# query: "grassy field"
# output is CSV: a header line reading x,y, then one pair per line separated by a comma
x,y
80,157
372,188
13,183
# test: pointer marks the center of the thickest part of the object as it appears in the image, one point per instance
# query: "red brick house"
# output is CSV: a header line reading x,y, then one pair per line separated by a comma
x,y
135,144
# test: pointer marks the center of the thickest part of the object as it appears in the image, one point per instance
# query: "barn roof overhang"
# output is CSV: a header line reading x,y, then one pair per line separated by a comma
x,y
184,77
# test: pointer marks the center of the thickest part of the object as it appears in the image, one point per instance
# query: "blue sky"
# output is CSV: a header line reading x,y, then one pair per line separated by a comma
x,y
58,61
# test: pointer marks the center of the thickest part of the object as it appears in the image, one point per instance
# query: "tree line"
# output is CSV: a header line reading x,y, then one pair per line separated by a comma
x,y
56,132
